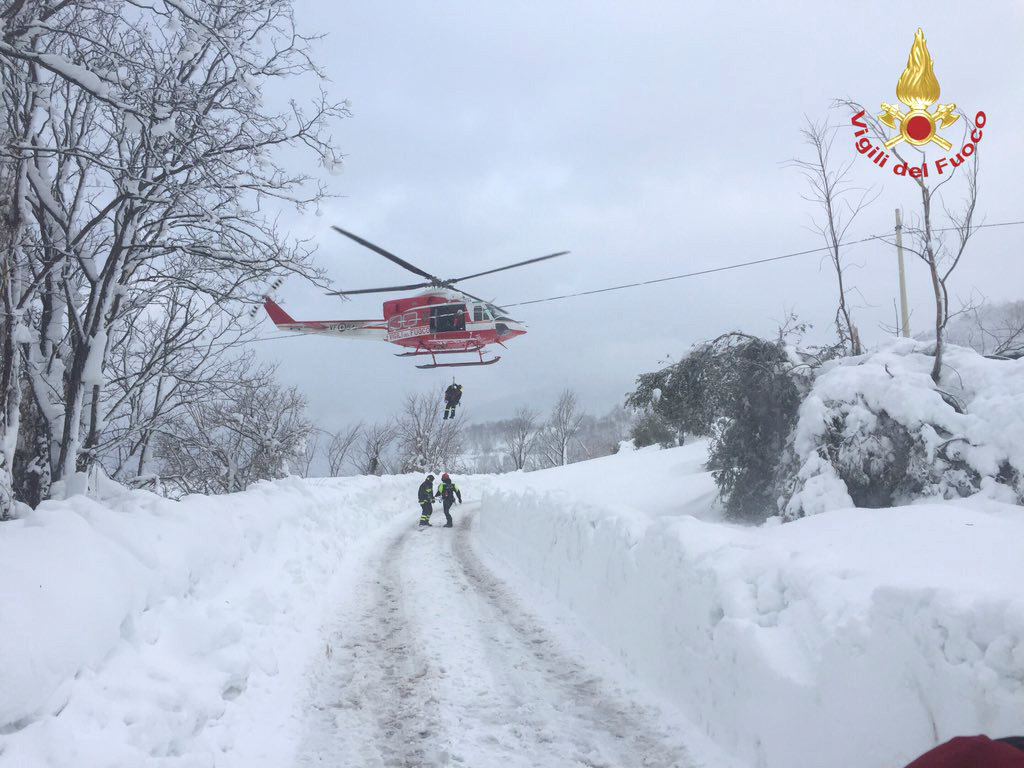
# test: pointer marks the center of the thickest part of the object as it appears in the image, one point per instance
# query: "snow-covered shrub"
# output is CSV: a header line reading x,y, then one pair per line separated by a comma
x,y
875,431
742,392
650,428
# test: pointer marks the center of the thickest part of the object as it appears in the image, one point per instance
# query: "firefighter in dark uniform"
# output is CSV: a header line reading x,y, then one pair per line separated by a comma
x,y
426,499
447,491
452,395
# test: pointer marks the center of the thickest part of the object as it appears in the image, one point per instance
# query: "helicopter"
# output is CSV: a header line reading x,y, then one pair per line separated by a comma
x,y
443,320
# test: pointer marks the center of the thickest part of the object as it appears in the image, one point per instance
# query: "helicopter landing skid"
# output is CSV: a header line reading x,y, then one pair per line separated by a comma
x,y
492,361
421,352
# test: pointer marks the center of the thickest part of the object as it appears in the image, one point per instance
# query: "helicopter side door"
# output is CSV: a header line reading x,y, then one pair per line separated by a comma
x,y
447,318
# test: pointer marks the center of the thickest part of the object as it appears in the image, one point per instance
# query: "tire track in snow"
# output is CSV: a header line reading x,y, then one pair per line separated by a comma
x,y
563,707
435,662
368,708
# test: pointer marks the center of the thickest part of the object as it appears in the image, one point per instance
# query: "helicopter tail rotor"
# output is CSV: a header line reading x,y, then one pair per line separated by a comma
x,y
266,296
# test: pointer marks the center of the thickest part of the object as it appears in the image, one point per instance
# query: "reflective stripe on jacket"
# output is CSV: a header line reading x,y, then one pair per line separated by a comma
x,y
448,491
426,491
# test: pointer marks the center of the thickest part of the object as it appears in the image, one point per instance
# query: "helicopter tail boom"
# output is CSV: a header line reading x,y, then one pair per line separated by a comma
x,y
373,330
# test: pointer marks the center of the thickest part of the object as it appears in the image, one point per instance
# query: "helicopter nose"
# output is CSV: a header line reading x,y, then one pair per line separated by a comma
x,y
508,329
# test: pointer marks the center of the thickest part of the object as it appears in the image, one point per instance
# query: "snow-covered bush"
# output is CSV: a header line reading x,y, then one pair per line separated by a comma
x,y
650,428
875,431
742,392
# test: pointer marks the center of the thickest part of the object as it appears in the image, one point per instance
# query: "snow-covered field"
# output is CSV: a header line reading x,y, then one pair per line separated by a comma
x,y
595,614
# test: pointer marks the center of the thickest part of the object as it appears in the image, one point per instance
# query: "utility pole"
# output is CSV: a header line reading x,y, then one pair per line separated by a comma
x,y
904,314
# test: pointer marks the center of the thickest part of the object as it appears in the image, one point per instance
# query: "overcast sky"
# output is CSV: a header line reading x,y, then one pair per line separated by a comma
x,y
648,138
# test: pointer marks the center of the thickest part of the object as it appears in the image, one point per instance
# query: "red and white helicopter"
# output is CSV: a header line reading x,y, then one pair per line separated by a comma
x,y
440,321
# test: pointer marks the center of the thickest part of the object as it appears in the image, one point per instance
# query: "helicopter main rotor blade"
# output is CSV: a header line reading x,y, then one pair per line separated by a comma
x,y
386,254
509,266
386,289
482,301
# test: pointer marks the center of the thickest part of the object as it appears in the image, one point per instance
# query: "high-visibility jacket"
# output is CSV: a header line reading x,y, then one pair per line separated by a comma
x,y
448,492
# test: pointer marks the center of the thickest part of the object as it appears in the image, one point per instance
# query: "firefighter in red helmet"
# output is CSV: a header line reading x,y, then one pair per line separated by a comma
x,y
447,492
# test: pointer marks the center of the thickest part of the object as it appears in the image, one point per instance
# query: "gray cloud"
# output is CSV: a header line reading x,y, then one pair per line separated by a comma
x,y
649,139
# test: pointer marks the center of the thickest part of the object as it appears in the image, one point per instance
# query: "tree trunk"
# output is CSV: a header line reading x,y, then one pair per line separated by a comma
x,y
10,357
933,269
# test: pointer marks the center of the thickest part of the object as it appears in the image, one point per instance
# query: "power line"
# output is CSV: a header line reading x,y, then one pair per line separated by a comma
x,y
735,266
687,274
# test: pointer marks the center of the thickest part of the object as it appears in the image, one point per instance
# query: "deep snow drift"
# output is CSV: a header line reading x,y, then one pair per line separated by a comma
x,y
851,638
143,631
140,631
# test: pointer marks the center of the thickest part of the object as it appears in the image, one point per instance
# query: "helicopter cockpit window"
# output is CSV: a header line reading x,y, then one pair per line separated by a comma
x,y
478,313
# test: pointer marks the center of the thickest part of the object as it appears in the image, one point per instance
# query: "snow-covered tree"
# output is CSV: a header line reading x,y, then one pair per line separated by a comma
x,y
991,329
561,429
141,152
372,449
940,244
878,432
340,446
519,436
426,442
166,356
839,202
742,392
254,430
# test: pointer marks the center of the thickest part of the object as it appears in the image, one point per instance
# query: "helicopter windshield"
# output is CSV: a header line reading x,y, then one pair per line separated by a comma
x,y
483,312
497,313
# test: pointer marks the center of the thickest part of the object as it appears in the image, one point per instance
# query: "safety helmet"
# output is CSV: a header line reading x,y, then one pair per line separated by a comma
x,y
430,477
445,477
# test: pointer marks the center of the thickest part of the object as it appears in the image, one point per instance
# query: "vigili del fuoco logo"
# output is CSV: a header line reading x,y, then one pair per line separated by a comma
x,y
918,89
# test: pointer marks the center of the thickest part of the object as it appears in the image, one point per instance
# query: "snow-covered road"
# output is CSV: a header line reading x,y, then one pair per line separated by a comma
x,y
432,660
309,623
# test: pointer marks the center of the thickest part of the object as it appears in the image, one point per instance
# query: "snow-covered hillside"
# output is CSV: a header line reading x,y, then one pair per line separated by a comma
x,y
303,619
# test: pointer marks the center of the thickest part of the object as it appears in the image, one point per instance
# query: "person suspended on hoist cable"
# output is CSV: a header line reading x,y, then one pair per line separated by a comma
x,y
452,395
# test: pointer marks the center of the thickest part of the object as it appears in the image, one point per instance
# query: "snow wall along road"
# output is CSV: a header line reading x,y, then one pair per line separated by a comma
x,y
142,631
852,639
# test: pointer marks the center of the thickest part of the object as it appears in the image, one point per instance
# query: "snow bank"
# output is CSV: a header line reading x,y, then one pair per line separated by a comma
x,y
852,638
876,431
162,631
